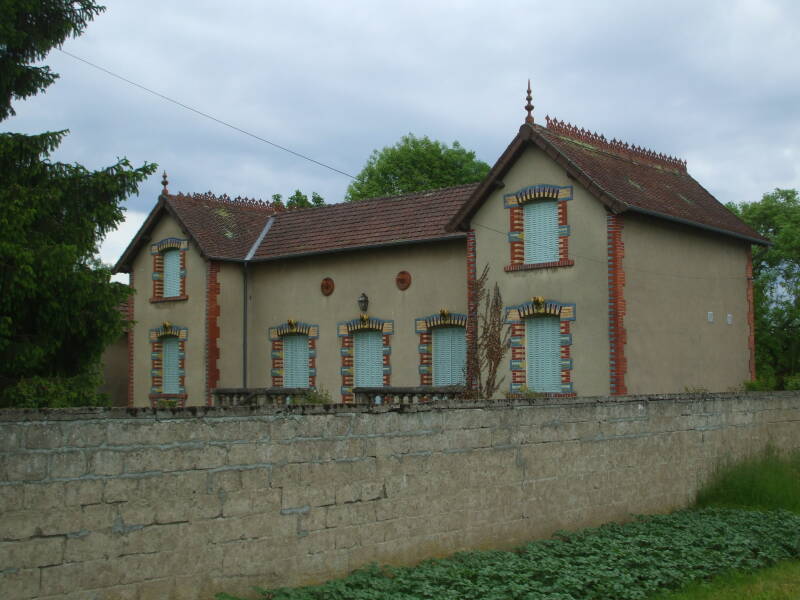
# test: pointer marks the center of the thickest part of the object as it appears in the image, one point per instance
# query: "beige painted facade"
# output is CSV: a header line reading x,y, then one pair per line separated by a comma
x,y
585,283
188,313
290,289
675,276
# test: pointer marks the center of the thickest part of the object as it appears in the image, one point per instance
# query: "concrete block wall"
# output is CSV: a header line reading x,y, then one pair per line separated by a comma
x,y
140,504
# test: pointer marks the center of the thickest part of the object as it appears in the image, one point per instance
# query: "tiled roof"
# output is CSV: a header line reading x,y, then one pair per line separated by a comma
x,y
409,218
623,177
223,228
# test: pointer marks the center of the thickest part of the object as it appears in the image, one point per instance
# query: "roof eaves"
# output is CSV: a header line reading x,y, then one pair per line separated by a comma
x,y
528,135
123,265
452,236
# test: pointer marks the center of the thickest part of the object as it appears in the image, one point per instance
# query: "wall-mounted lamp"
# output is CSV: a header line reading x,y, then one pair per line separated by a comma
x,y
363,302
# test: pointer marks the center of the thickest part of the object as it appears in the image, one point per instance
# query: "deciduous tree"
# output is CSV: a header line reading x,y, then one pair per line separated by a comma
x,y
776,273
414,165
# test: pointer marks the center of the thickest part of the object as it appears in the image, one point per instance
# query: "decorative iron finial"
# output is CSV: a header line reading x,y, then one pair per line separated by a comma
x,y
164,183
529,106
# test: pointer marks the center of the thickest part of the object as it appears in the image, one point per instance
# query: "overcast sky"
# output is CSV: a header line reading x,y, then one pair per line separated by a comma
x,y
714,82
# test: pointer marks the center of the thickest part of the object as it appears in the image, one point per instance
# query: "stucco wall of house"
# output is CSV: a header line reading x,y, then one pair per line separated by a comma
x,y
585,283
290,289
115,371
230,324
182,313
675,276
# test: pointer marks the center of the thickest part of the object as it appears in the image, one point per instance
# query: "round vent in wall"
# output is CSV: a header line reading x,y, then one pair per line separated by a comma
x,y
403,280
326,286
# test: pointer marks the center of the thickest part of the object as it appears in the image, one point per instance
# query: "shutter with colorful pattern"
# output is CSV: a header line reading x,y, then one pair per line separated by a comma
x,y
368,350
172,273
295,361
541,232
543,339
170,361
449,355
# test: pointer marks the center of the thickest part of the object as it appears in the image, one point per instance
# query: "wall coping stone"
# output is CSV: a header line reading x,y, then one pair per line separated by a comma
x,y
211,412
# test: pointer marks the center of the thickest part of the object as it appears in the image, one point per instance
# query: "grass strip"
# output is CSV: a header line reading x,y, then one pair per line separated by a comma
x,y
780,582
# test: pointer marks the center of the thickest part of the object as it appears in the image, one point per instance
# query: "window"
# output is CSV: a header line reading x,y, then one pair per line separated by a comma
x,y
541,232
172,268
543,342
449,356
294,354
169,270
538,232
168,364
368,354
170,378
295,361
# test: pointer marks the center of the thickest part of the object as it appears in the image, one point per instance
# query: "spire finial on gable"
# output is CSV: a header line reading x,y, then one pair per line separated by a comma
x,y
529,106
164,183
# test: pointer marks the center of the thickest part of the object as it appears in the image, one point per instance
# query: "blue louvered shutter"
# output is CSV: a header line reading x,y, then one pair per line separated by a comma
x,y
295,361
368,349
449,355
541,232
170,375
172,271
543,339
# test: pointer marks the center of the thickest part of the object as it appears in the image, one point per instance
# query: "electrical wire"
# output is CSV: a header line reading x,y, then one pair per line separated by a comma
x,y
206,115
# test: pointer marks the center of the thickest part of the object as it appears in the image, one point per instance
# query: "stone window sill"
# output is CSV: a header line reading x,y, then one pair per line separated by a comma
x,y
565,262
155,300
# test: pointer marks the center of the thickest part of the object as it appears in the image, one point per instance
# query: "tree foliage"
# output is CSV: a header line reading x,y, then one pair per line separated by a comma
x,y
776,273
414,165
299,200
58,306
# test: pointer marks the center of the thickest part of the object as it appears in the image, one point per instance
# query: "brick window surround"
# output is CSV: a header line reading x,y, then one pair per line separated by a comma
x,y
515,317
276,335
156,357
423,327
515,202
345,331
157,251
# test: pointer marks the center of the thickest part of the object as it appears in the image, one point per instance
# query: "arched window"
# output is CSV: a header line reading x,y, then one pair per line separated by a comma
x,y
169,270
543,342
449,355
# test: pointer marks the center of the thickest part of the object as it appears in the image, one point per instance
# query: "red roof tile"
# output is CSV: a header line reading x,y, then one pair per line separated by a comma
x,y
409,218
623,177
223,227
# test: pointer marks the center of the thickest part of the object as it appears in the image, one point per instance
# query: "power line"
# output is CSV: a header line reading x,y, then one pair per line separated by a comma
x,y
206,115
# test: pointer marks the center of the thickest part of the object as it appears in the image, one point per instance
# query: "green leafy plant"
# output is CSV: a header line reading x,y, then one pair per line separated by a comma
x,y
316,396
623,562
55,392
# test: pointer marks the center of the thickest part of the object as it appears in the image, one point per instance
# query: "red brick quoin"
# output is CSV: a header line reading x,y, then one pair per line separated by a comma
x,y
212,329
617,338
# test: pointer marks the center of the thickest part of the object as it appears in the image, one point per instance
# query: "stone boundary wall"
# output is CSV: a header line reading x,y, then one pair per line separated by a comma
x,y
140,504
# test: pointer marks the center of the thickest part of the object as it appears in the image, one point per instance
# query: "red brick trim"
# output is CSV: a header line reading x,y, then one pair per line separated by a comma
x,y
564,262
472,311
425,358
751,326
212,329
130,343
617,336
347,368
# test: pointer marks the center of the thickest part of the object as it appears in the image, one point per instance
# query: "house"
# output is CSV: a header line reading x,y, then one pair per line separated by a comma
x,y
619,272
